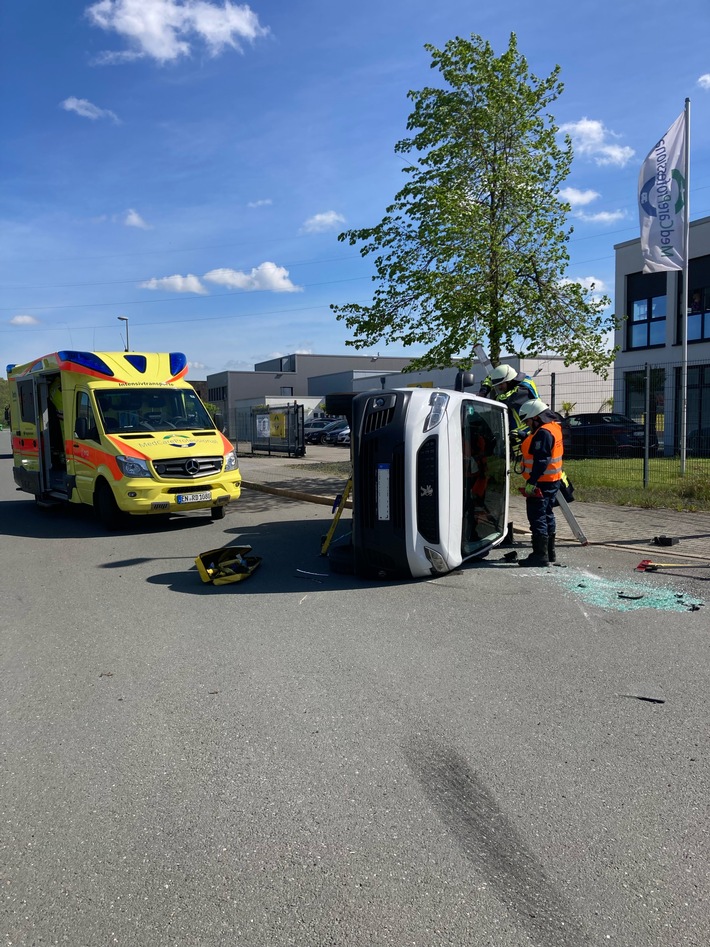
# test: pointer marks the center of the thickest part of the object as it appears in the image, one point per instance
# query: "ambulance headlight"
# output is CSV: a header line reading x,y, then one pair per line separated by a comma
x,y
437,408
132,466
438,563
230,461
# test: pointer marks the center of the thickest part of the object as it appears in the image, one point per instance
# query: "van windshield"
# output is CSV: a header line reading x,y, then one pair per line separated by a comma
x,y
131,410
485,479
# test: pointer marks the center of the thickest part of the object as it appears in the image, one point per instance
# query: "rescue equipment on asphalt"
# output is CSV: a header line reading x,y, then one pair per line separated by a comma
x,y
227,565
646,565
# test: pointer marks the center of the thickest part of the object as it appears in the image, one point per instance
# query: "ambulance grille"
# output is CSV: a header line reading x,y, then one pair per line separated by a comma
x,y
188,468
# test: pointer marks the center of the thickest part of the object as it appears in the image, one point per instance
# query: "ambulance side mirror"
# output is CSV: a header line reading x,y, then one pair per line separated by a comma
x,y
219,422
81,428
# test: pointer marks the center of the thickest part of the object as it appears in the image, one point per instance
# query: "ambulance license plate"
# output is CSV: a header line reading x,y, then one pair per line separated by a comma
x,y
194,497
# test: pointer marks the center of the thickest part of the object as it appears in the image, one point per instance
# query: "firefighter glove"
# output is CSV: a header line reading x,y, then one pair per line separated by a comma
x,y
530,489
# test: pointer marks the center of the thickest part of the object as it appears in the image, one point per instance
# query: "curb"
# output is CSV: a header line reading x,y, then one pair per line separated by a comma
x,y
294,494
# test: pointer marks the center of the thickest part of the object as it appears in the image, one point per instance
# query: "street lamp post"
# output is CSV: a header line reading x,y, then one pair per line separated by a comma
x,y
125,319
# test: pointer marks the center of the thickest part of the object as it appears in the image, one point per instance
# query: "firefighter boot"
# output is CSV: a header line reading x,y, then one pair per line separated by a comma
x,y
551,554
538,556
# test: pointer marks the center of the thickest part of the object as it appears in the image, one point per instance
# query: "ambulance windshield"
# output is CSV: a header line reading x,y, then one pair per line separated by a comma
x,y
129,410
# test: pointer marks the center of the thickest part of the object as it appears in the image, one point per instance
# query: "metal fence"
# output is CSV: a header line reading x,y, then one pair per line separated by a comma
x,y
278,429
651,396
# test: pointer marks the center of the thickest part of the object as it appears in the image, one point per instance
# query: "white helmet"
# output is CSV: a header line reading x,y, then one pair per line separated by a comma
x,y
531,409
502,374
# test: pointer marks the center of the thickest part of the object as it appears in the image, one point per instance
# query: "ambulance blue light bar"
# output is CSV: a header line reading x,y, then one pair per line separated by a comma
x,y
178,362
87,360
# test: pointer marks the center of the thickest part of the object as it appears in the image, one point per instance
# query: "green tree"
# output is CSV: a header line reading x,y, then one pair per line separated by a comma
x,y
473,249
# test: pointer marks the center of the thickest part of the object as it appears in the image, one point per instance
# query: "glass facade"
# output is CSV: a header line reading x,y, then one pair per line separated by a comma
x,y
646,302
698,410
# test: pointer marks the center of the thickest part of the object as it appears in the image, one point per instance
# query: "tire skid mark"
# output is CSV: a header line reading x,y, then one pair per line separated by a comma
x,y
470,814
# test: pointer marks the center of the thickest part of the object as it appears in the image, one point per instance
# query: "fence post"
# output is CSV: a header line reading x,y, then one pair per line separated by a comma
x,y
647,425
552,390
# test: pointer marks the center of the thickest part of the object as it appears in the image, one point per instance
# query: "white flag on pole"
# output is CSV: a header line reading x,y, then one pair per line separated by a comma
x,y
662,202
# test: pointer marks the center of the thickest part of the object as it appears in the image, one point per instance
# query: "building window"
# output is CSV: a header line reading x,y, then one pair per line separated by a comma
x,y
646,310
285,390
699,315
698,411
635,399
698,301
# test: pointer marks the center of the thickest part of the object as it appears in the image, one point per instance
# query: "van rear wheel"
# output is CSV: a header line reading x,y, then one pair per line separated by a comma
x,y
106,507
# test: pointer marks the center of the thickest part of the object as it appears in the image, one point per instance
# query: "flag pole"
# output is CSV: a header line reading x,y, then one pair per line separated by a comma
x,y
686,297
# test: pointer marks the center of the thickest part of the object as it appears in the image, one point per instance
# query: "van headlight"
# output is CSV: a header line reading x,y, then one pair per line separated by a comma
x,y
230,460
437,408
133,466
438,563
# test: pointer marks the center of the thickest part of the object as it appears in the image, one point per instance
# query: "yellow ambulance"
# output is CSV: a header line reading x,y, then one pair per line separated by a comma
x,y
122,432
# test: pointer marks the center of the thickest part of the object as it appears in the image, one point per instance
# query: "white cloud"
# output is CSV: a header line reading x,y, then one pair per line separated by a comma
x,y
134,219
176,284
24,321
198,366
593,285
603,217
264,203
265,276
591,138
577,198
704,81
87,109
319,223
165,30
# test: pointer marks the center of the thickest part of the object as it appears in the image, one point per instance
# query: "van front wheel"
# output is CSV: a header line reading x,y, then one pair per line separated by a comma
x,y
218,512
106,507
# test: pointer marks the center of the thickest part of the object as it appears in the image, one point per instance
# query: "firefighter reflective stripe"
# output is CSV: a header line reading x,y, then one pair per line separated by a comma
x,y
528,386
525,390
553,471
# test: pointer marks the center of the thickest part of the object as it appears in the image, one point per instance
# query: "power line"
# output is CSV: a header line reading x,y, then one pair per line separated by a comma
x,y
172,299
145,279
234,315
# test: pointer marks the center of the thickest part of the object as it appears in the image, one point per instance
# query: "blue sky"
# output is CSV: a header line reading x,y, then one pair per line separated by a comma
x,y
189,164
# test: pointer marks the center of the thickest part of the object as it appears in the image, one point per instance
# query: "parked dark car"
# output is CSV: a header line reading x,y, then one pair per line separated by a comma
x,y
699,443
318,435
604,435
332,437
317,424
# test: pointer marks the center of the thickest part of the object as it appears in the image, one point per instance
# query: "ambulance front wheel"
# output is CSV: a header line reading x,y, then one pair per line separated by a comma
x,y
218,512
106,507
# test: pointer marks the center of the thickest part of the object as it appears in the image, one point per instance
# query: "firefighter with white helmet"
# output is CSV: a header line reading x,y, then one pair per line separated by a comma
x,y
513,389
542,470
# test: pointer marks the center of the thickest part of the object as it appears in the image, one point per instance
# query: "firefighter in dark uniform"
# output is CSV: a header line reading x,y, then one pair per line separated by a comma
x,y
512,389
542,470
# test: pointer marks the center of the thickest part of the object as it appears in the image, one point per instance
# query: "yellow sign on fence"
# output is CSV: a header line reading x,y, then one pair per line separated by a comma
x,y
278,425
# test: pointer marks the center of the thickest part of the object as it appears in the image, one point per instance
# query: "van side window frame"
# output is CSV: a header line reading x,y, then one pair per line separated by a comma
x,y
85,410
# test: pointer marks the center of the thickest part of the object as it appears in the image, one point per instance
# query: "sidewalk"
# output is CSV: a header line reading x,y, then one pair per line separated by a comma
x,y
604,525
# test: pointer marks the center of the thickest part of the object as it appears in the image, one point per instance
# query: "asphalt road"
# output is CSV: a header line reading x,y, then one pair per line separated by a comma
x,y
498,757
